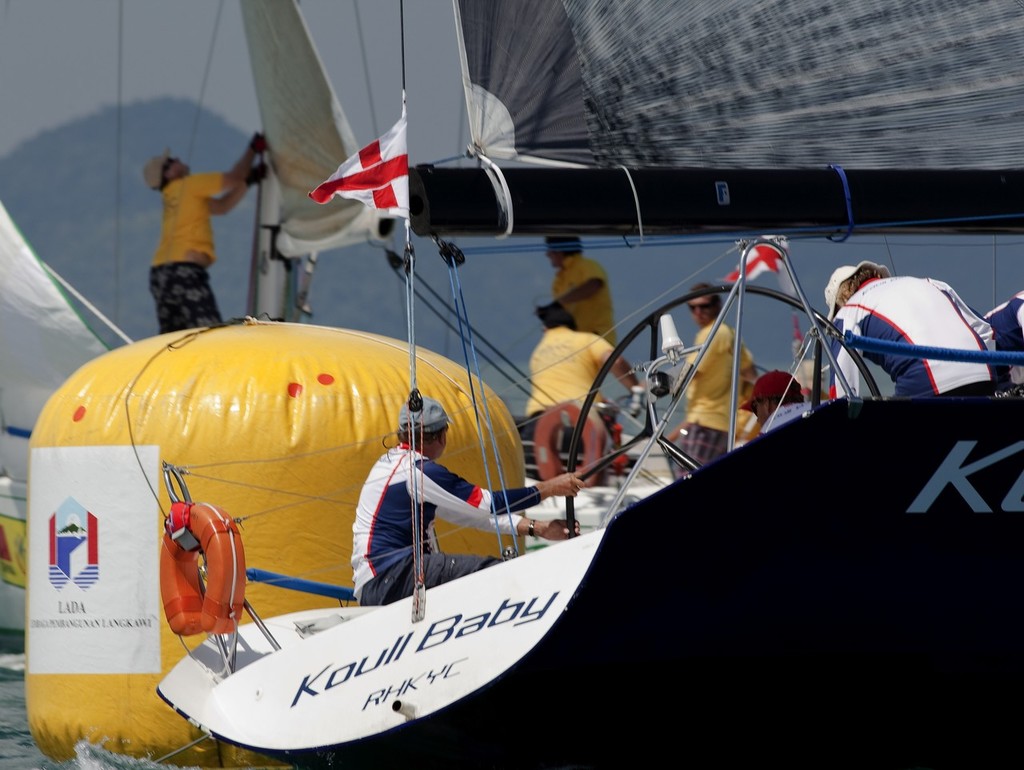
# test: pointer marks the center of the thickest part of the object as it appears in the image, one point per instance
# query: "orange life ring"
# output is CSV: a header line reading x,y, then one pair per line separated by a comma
x,y
556,422
188,608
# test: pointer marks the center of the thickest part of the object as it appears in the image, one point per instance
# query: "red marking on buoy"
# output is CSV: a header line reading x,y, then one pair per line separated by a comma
x,y
325,379
294,389
79,414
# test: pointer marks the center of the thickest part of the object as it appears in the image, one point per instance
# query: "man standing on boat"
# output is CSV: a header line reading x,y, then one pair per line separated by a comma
x,y
704,432
580,285
382,547
866,300
178,278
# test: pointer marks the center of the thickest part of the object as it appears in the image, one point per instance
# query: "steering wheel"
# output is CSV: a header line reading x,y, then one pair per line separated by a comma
x,y
659,385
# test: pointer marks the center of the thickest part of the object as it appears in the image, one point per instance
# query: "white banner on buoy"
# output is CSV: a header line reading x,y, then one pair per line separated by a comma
x,y
93,596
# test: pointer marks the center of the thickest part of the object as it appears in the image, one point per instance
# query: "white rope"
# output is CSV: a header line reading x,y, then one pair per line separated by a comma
x,y
504,200
92,308
636,202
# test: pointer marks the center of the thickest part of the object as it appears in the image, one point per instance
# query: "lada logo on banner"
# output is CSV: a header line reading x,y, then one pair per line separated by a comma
x,y
74,546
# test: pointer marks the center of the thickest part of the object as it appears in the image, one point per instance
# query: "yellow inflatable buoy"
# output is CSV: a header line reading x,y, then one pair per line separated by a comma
x,y
276,424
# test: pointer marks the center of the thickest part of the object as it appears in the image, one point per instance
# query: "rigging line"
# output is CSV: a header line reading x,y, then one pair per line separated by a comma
x,y
675,288
206,77
279,459
452,257
366,67
414,404
92,308
888,251
401,28
185,338
334,497
254,252
197,741
117,160
395,265
995,270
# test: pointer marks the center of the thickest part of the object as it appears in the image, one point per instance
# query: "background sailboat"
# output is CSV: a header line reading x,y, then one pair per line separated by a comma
x,y
42,342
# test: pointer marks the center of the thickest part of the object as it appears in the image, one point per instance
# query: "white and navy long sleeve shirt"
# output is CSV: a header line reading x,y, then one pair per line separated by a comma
x,y
1007,322
383,526
916,311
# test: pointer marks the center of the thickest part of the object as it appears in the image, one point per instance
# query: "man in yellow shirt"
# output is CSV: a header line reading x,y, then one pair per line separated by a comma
x,y
563,367
178,278
704,432
566,361
580,285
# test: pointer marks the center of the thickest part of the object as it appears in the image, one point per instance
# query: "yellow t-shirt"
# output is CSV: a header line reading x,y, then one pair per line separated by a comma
x,y
563,367
593,314
186,224
709,394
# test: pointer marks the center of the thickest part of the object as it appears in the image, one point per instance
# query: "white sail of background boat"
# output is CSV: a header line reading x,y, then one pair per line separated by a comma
x,y
308,135
42,341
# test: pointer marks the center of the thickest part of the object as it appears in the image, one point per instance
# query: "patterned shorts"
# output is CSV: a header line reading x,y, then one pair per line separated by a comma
x,y
184,299
702,444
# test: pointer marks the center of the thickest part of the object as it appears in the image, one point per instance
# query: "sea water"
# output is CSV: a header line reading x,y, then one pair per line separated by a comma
x,y
17,749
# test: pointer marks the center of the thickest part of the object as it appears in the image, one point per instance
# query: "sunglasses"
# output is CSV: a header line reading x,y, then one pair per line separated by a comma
x,y
703,306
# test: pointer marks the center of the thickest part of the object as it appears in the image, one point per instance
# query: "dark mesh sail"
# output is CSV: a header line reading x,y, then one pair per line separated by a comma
x,y
931,84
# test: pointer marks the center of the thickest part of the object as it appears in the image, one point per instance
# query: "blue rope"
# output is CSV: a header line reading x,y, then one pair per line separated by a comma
x,y
849,203
473,369
299,584
999,357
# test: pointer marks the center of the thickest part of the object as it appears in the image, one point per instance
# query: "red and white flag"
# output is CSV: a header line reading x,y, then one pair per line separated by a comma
x,y
761,259
765,258
378,175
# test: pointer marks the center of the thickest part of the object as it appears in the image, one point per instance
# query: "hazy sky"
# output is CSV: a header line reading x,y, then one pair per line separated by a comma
x,y
64,59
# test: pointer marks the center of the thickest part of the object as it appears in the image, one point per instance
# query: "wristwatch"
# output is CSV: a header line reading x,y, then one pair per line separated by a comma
x,y
529,531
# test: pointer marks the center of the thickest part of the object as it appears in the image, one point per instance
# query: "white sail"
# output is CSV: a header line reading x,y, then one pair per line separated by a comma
x,y
307,130
42,341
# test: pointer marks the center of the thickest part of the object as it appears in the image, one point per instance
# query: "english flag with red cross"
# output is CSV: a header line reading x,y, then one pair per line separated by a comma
x,y
378,175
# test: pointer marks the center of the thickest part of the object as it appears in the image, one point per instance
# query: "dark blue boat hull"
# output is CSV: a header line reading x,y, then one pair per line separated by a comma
x,y
844,591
